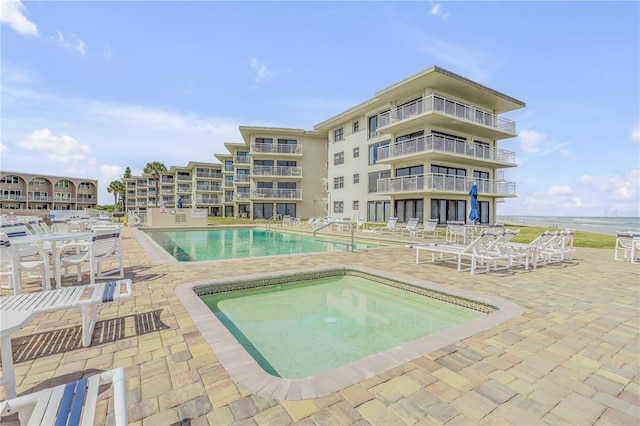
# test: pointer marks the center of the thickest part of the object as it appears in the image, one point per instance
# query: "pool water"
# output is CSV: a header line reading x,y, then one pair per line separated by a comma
x,y
302,329
196,245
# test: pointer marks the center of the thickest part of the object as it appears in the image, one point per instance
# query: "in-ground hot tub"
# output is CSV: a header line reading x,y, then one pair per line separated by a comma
x,y
310,332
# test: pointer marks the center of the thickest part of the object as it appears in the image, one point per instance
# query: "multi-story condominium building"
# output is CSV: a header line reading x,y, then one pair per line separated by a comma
x,y
413,150
26,191
267,174
196,185
416,148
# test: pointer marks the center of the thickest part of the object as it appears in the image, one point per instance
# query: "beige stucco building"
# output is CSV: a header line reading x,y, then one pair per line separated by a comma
x,y
416,148
413,150
273,171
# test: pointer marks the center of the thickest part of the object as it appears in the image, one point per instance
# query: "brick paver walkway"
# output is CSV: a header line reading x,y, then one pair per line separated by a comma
x,y
572,358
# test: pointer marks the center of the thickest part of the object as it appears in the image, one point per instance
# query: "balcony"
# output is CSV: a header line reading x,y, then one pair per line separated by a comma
x,y
184,178
441,183
214,200
286,194
438,110
440,147
209,188
241,159
241,179
276,149
167,180
241,196
277,171
12,197
39,198
204,174
183,189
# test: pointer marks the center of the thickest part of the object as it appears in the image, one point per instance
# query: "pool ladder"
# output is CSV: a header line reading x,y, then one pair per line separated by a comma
x,y
273,220
347,244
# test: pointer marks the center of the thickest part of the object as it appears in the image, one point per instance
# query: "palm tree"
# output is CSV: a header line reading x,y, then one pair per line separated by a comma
x,y
123,198
116,187
154,169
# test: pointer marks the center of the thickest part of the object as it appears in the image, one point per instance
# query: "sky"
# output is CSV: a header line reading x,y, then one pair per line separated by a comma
x,y
89,88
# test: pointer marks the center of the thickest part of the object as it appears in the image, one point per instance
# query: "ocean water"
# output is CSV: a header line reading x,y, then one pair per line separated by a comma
x,y
603,225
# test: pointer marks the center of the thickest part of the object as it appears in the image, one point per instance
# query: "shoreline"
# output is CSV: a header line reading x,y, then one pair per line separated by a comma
x,y
596,225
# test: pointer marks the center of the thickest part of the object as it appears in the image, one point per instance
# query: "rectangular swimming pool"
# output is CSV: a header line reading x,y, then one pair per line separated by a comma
x,y
237,243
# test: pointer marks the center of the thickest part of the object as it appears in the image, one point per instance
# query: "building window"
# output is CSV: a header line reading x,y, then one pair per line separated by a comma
x,y
356,178
38,182
338,158
356,126
373,151
338,134
338,183
288,141
356,152
338,207
356,205
11,179
264,140
373,126
62,184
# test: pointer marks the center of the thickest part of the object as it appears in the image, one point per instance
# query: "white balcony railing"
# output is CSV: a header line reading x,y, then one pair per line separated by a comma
x,y
204,174
440,143
209,200
12,197
241,178
276,193
276,148
241,196
291,171
444,183
445,106
241,159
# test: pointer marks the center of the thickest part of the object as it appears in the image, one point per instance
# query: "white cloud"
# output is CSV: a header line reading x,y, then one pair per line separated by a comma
x,y
3,147
531,141
59,149
74,43
560,190
437,11
261,70
11,13
585,179
635,133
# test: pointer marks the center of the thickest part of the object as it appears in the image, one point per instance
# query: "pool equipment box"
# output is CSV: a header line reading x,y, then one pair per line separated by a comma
x,y
172,217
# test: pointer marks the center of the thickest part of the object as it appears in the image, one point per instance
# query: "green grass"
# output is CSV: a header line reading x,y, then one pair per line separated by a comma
x,y
580,238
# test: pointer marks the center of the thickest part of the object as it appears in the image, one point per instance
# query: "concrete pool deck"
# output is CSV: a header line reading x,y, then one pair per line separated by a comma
x,y
572,357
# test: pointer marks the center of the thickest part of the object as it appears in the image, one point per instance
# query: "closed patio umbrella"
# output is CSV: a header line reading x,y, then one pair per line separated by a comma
x,y
473,214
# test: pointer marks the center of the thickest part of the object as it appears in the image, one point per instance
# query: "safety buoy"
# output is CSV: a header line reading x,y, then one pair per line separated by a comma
x,y
135,219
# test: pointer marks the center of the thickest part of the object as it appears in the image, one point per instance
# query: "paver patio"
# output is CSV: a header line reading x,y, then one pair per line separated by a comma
x,y
573,357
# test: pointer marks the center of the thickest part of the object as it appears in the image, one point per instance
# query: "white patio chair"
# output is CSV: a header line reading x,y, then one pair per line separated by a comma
x,y
70,403
430,226
410,228
14,259
105,246
390,227
627,247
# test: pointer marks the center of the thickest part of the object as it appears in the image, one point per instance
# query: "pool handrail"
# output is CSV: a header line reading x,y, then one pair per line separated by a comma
x,y
330,223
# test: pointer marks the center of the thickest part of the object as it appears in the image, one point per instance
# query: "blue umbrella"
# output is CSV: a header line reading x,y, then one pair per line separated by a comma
x,y
473,214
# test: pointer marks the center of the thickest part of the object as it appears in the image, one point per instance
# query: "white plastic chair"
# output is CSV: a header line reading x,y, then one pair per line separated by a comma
x,y
105,246
16,259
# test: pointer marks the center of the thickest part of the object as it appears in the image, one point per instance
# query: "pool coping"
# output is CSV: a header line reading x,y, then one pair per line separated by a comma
x,y
248,374
160,255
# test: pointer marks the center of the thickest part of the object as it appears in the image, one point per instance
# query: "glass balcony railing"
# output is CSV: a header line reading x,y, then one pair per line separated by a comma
x,y
437,182
275,148
444,144
283,171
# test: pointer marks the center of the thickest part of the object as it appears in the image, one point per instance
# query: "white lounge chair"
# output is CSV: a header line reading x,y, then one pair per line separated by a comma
x,y
627,247
70,403
389,227
86,297
105,246
14,259
430,227
476,252
410,228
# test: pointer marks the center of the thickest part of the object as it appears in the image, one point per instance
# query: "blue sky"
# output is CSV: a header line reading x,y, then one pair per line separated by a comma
x,y
89,88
